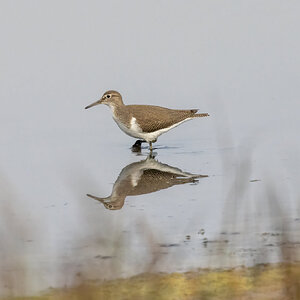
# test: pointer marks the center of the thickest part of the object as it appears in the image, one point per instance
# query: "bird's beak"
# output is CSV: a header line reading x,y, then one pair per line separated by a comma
x,y
102,200
93,104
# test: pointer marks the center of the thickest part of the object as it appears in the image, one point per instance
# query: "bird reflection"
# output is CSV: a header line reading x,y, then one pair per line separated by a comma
x,y
144,177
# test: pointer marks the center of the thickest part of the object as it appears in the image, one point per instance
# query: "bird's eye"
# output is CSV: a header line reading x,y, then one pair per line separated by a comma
x,y
107,96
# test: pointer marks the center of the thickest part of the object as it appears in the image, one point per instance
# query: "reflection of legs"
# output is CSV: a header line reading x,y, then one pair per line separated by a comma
x,y
151,155
136,147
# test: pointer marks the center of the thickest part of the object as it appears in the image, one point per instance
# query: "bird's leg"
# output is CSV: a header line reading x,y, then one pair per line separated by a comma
x,y
138,143
136,147
150,146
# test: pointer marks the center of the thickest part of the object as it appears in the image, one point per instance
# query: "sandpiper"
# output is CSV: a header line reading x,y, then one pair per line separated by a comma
x,y
145,122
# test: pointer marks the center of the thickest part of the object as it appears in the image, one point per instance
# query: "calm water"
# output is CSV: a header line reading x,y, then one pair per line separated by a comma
x,y
152,214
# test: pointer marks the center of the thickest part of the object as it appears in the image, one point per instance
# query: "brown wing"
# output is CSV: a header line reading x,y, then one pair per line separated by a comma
x,y
153,180
152,118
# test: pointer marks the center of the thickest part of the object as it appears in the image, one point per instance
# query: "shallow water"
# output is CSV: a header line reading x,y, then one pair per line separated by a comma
x,y
151,213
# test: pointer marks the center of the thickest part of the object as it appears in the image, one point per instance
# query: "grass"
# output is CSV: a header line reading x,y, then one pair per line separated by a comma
x,y
262,282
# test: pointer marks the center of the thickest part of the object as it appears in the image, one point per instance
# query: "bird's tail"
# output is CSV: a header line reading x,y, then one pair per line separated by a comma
x,y
201,115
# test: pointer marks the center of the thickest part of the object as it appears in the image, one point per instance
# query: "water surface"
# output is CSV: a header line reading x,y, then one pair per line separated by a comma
x,y
194,204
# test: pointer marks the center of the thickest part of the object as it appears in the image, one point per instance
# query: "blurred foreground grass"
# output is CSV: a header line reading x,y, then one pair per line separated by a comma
x,y
275,281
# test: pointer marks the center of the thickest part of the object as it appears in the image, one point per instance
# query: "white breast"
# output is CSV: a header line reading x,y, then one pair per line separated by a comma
x,y
135,130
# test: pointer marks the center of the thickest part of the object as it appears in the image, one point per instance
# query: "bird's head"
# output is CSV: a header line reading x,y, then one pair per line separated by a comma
x,y
111,203
110,98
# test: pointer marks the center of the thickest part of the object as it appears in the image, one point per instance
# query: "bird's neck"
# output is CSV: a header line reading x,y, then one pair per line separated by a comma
x,y
117,109
115,106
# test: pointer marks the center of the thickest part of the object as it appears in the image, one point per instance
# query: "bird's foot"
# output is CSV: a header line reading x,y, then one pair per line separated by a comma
x,y
137,146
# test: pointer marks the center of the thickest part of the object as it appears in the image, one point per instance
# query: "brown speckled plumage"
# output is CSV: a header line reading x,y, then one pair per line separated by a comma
x,y
152,118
